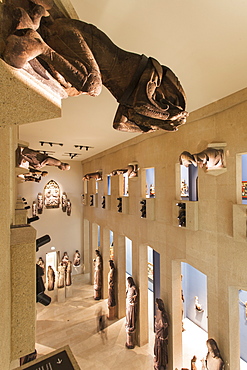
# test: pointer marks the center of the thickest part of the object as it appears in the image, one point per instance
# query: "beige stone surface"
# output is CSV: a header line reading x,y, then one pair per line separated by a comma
x,y
214,240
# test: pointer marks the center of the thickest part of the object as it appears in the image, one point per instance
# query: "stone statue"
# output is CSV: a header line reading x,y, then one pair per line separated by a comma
x,y
40,203
82,59
68,207
64,201
132,171
98,278
94,175
33,175
131,312
51,278
61,275
65,259
209,158
214,360
77,258
38,160
111,291
68,272
161,336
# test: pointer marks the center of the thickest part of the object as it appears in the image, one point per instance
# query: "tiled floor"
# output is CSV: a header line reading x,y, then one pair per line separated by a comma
x,y
74,323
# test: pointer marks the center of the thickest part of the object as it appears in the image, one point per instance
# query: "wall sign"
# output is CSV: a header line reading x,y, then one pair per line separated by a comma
x,y
61,359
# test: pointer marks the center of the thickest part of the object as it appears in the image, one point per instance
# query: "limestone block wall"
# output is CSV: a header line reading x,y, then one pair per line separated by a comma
x,y
212,243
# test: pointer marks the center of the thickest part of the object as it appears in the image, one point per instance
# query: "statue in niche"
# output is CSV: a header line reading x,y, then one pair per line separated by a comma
x,y
98,278
68,207
68,272
111,290
132,171
52,194
34,209
33,175
193,363
82,58
94,175
213,360
209,158
61,275
161,336
37,159
65,259
40,203
131,312
77,258
41,263
64,202
51,278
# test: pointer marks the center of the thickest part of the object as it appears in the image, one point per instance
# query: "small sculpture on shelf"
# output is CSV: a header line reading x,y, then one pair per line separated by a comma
x,y
77,258
181,214
213,360
131,312
40,203
51,278
37,160
64,200
98,278
209,158
111,290
161,336
198,306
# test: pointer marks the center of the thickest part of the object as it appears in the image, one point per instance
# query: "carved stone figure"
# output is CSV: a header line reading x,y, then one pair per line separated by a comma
x,y
94,175
65,259
61,275
68,207
77,258
131,312
64,201
33,175
52,194
111,291
214,360
40,203
68,273
41,263
98,278
34,209
208,158
38,160
132,171
51,278
161,336
82,58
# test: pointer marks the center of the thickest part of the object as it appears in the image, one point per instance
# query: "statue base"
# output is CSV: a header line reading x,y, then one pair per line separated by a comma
x,y
111,313
61,295
97,295
130,341
68,291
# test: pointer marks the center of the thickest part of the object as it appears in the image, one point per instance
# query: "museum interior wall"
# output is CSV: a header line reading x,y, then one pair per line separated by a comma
x,y
213,240
65,231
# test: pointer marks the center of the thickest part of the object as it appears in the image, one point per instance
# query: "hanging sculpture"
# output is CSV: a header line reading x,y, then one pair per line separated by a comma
x,y
82,58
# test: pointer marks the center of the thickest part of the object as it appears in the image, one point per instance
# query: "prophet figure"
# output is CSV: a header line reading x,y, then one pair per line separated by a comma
x,y
161,336
51,278
131,312
61,275
68,272
111,290
82,58
98,278
77,258
214,360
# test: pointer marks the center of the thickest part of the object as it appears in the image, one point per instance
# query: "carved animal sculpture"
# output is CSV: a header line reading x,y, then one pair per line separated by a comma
x,y
82,58
93,175
210,158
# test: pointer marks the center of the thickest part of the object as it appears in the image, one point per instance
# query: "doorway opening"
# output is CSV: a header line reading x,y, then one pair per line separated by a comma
x,y
128,257
194,314
153,287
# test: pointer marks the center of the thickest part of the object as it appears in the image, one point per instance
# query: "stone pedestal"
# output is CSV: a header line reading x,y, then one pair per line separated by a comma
x,y
111,313
130,340
61,295
97,295
68,291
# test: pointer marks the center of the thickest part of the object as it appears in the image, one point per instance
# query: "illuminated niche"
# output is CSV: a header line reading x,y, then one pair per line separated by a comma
x,y
51,195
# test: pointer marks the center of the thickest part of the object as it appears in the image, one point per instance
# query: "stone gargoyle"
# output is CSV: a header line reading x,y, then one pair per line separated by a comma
x,y
82,59
93,175
209,158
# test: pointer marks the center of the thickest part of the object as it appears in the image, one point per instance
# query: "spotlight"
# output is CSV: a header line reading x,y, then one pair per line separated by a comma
x,y
42,241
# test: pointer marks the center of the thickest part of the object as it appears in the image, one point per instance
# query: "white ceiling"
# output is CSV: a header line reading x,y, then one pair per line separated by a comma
x,y
203,42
